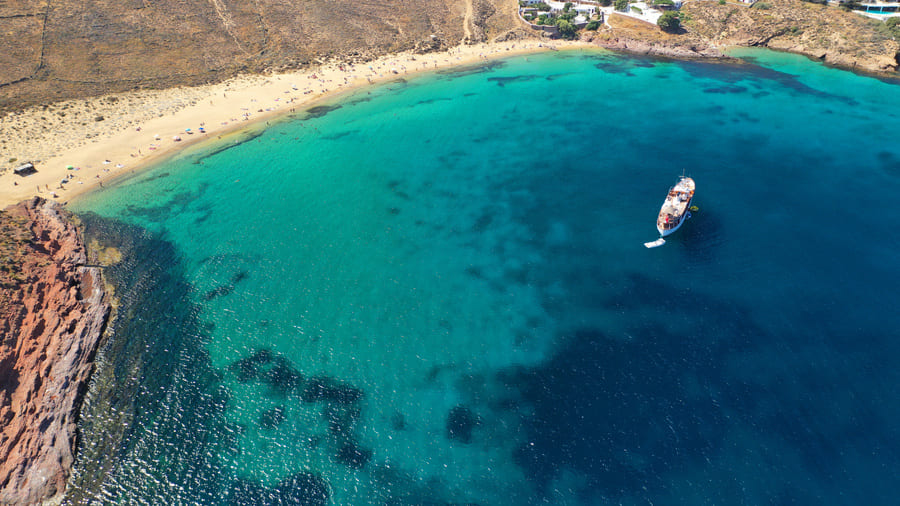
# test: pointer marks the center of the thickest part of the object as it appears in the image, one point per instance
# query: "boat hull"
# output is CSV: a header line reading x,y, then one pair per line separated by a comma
x,y
675,209
667,232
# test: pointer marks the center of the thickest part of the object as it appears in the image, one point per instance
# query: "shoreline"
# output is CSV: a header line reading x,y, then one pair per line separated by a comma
x,y
143,131
109,138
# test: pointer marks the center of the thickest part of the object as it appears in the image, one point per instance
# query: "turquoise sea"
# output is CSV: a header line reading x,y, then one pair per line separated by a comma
x,y
435,291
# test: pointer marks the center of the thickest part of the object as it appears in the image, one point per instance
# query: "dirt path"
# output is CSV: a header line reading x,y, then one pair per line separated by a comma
x,y
468,21
227,22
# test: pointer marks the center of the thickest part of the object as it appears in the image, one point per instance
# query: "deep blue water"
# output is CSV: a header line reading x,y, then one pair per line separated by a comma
x,y
435,291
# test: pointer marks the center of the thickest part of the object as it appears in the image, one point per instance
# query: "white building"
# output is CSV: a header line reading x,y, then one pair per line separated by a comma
x,y
586,10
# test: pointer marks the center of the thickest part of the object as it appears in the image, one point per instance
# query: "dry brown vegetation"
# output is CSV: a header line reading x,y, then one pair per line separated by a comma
x,y
70,48
828,33
66,49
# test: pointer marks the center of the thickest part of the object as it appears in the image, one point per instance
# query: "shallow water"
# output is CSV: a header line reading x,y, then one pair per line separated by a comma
x,y
437,293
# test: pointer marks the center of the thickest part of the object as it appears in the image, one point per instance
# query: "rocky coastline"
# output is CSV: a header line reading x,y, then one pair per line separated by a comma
x,y
54,308
830,34
54,312
836,37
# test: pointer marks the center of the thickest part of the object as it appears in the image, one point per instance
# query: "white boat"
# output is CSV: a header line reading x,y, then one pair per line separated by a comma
x,y
676,209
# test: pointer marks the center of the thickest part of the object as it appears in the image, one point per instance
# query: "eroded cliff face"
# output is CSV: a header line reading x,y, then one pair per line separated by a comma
x,y
54,310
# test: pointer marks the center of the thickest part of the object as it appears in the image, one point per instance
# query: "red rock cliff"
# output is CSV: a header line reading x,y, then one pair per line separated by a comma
x,y
53,310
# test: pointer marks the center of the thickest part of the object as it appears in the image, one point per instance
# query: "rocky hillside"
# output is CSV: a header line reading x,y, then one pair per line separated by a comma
x,y
836,36
70,48
53,310
60,49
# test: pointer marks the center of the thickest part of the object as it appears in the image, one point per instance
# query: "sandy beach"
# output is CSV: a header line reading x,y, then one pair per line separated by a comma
x,y
78,145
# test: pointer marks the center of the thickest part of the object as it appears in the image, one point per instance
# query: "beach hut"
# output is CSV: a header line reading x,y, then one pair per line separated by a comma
x,y
26,169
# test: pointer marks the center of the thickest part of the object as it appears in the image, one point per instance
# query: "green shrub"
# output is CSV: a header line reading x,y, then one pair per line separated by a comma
x,y
669,22
621,5
593,26
636,9
721,2
566,29
664,2
762,5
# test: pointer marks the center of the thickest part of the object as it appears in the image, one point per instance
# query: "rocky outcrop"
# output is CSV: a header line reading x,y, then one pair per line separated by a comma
x,y
827,33
636,36
54,310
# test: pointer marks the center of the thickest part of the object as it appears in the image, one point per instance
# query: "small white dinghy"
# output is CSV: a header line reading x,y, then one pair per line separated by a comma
x,y
655,244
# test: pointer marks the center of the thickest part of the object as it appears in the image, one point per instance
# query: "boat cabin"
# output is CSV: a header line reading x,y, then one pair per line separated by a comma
x,y
25,170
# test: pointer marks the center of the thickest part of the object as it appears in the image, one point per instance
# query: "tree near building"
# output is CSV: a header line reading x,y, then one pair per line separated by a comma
x,y
669,22
566,29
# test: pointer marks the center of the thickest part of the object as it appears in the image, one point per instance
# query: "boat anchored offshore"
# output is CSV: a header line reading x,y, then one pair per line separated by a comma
x,y
674,211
